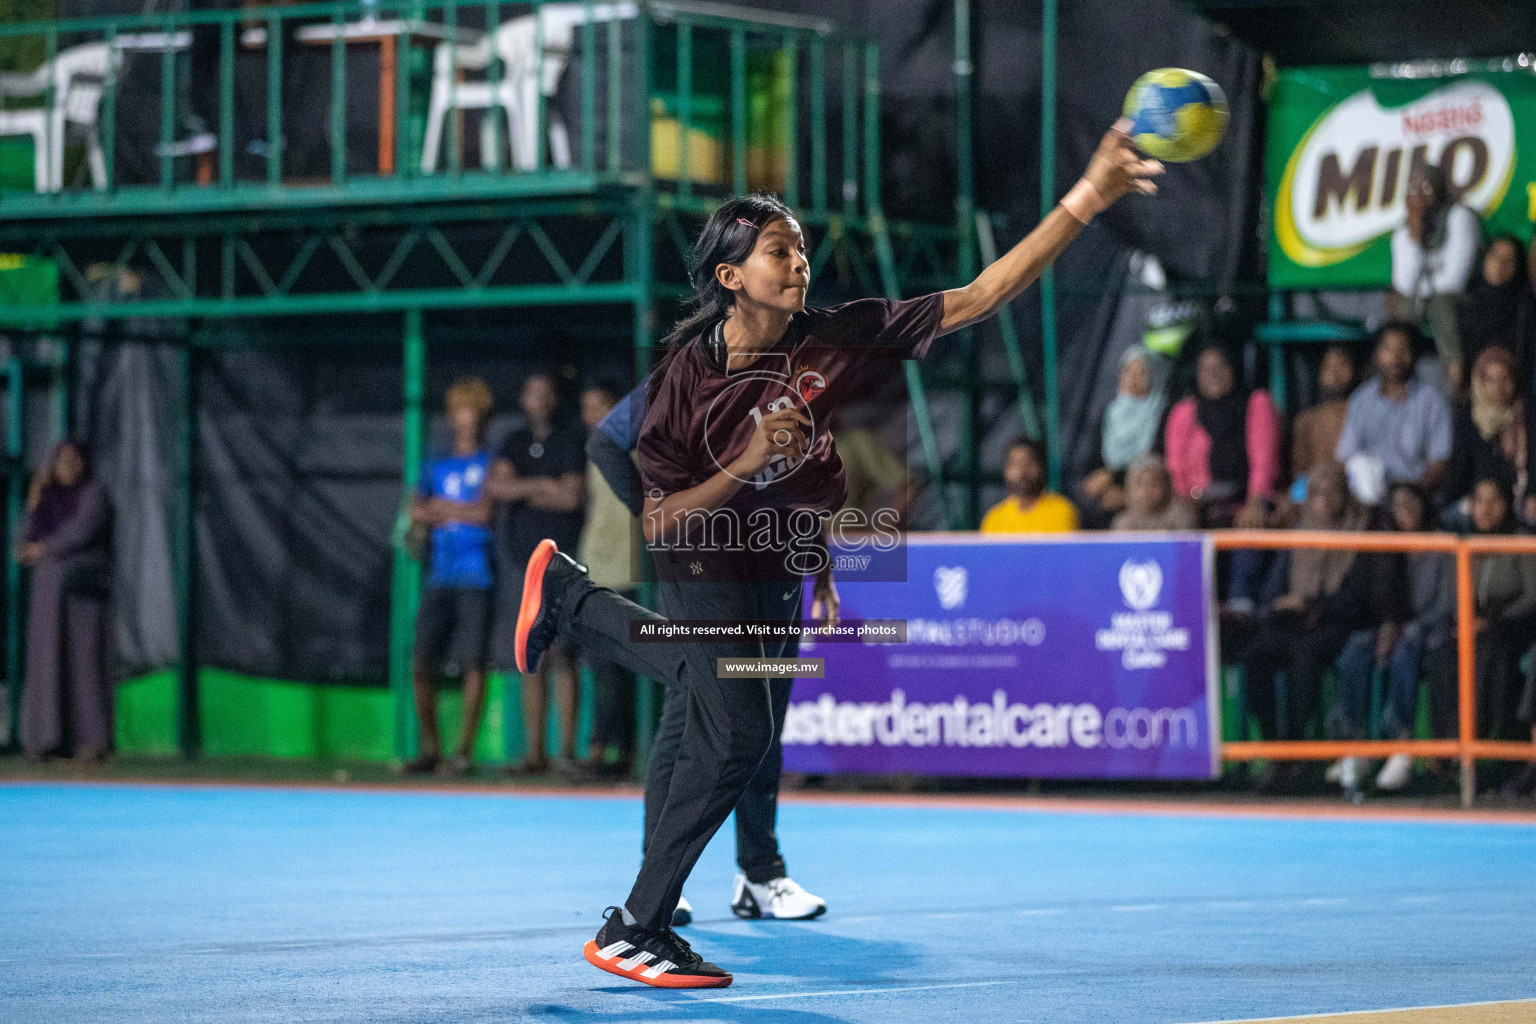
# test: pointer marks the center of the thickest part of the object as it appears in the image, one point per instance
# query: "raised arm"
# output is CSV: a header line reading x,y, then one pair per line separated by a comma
x,y
1114,171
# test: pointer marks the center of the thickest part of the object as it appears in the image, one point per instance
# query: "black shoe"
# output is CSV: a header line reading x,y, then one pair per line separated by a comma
x,y
546,582
423,764
455,767
660,958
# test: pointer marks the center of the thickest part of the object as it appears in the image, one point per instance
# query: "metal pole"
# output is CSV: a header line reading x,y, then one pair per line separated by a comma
x,y
188,731
15,457
965,226
1047,204
1466,661
639,269
406,580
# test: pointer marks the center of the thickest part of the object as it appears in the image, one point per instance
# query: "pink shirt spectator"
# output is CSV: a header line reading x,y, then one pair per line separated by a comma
x,y
1189,448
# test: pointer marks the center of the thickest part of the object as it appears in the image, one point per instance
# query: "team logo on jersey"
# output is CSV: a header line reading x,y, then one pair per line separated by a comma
x,y
810,383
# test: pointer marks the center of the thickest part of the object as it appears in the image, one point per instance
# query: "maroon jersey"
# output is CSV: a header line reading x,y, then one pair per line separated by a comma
x,y
702,416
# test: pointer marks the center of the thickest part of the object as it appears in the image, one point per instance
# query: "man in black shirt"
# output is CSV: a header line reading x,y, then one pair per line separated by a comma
x,y
539,475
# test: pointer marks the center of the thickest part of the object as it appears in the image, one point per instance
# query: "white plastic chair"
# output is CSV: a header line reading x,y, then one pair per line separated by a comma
x,y
78,75
517,93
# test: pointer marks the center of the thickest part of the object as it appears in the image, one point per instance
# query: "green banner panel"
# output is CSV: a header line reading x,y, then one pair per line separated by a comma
x,y
1341,145
249,716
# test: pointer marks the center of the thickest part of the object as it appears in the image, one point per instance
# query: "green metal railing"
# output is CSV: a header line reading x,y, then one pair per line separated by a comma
x,y
744,93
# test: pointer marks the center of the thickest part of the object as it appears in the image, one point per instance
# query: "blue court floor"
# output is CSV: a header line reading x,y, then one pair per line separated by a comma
x,y
149,904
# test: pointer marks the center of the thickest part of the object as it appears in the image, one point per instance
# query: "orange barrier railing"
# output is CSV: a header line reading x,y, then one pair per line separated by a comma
x,y
1466,747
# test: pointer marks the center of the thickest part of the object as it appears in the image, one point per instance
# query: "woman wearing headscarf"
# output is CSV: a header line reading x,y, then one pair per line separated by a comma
x,y
1223,446
1128,430
1489,310
1489,437
65,702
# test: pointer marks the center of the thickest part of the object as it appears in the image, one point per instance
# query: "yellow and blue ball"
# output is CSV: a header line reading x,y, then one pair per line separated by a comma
x,y
1177,115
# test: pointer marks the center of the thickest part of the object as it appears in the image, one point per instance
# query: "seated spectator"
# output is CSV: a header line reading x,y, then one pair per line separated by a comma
x,y
1029,507
1489,436
1128,430
1315,434
1223,446
1488,311
454,620
67,542
1504,609
1395,420
1525,323
1425,643
1329,595
1149,500
1433,253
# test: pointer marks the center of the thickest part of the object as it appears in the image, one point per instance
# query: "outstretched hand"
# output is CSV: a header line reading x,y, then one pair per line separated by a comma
x,y
1117,169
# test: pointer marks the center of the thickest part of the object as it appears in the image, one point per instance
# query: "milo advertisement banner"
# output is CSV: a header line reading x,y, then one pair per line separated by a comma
x,y
1341,145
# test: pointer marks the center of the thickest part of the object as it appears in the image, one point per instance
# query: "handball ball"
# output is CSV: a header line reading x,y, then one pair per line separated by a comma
x,y
1178,115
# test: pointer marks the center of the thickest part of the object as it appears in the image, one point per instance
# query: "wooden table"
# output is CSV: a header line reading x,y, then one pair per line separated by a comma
x,y
386,33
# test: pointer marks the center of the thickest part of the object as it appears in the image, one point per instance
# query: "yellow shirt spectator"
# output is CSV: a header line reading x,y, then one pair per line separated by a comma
x,y
1049,513
1029,507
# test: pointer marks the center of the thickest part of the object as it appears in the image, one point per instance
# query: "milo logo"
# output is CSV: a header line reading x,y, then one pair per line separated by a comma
x,y
1344,184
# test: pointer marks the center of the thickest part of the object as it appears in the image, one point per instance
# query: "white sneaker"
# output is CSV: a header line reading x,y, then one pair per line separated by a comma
x,y
683,914
1335,773
1349,773
1395,773
781,899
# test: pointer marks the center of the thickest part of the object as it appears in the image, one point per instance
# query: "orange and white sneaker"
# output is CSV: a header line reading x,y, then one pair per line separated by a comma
x,y
546,581
658,958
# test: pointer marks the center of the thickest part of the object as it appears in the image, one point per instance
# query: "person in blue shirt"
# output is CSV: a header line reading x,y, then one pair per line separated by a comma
x,y
454,619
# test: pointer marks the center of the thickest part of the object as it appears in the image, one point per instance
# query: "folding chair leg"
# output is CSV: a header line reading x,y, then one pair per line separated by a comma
x,y
436,115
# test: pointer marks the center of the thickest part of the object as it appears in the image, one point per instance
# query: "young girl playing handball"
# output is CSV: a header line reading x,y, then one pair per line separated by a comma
x,y
733,466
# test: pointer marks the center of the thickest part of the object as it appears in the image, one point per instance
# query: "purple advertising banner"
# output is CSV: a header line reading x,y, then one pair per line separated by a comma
x,y
1038,658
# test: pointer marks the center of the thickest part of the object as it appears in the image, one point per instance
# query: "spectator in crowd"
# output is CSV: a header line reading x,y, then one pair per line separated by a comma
x,y
1425,644
1127,431
540,475
874,476
1395,421
1029,507
1504,609
1489,437
1525,323
1433,253
1488,311
66,539
608,551
1330,595
1315,433
1149,500
453,621
1223,446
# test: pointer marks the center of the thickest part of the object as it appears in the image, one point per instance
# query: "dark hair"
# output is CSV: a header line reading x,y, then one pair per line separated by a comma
x,y
1407,328
1506,492
1435,217
1036,448
1428,521
608,387
1514,243
728,237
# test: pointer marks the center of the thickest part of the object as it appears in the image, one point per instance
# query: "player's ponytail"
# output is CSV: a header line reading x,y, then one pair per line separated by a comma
x,y
728,237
